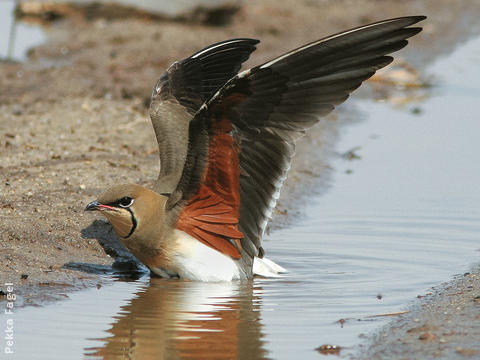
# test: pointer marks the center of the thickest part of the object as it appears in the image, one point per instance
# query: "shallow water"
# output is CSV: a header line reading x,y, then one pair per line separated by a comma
x,y
16,37
400,220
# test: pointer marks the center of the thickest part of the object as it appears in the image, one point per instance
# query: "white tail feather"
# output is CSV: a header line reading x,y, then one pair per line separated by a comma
x,y
266,267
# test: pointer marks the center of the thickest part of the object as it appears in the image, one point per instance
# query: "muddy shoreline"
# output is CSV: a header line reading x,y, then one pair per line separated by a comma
x,y
74,121
444,323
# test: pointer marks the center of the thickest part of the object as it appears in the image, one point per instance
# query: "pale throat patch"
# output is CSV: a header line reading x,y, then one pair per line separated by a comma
x,y
121,221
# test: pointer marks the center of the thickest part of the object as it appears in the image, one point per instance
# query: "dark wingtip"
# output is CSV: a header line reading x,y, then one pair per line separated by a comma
x,y
404,21
417,18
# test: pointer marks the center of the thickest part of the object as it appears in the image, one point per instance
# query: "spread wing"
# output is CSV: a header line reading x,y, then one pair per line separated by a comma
x,y
181,91
243,139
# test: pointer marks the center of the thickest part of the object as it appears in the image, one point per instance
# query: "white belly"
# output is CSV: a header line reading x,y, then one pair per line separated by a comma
x,y
197,261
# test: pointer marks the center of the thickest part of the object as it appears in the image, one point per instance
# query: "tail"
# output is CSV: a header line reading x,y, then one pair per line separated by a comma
x,y
267,268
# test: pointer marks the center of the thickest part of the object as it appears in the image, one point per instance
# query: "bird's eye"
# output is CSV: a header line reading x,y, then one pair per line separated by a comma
x,y
125,202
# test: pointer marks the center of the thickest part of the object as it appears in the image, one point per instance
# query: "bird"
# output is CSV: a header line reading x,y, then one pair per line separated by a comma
x,y
226,140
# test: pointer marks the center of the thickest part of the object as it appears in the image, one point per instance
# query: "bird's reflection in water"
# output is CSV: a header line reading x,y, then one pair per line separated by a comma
x,y
172,319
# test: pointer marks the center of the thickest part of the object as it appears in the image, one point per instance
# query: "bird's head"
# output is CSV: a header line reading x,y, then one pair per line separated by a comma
x,y
136,214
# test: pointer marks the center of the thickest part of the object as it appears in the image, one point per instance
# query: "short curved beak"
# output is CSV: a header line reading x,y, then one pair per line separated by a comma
x,y
93,206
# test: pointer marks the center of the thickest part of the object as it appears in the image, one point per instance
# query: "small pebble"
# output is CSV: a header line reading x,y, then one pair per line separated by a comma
x,y
328,349
427,336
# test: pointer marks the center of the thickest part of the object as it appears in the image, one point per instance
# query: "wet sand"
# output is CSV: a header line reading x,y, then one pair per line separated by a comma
x,y
441,324
74,121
